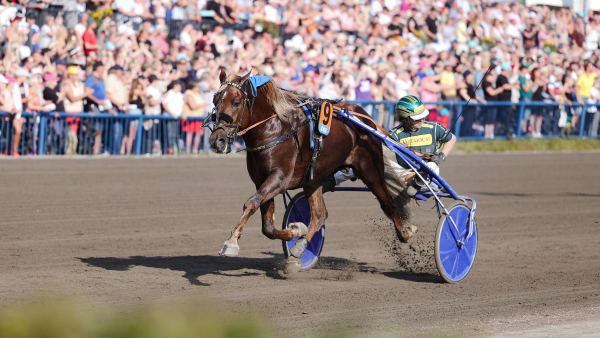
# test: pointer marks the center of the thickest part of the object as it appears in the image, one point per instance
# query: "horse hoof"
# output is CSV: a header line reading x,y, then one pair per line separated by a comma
x,y
407,232
299,248
230,249
298,229
293,265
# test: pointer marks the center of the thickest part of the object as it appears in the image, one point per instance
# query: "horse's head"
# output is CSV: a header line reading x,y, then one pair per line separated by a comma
x,y
232,109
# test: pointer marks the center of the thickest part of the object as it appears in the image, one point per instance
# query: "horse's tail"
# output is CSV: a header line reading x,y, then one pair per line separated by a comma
x,y
396,177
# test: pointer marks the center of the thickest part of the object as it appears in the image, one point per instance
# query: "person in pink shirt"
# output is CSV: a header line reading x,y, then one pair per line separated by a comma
x,y
159,40
430,92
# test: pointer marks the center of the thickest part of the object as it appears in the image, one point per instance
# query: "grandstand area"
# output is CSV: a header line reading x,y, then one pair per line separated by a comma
x,y
122,63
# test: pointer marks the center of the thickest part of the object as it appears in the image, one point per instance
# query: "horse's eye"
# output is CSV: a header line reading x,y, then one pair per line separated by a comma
x,y
236,103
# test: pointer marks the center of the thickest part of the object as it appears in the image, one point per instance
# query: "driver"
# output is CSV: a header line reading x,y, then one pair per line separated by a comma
x,y
429,140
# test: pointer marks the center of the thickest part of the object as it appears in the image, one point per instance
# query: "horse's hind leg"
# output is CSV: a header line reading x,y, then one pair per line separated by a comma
x,y
318,215
397,211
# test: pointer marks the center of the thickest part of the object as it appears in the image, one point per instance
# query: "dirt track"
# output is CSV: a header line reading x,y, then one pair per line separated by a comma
x,y
122,231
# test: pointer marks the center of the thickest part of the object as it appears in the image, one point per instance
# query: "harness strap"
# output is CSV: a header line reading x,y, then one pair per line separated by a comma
x,y
278,140
310,117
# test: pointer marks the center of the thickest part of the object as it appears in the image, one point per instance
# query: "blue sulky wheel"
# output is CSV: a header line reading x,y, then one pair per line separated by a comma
x,y
299,211
454,252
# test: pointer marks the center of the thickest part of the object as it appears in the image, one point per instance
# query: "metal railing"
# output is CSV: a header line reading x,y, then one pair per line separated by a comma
x,y
509,119
59,133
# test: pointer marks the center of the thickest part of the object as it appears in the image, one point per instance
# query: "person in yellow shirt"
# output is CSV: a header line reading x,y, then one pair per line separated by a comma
x,y
585,82
448,82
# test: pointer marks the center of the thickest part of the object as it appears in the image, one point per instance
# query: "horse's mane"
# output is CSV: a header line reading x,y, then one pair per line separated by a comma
x,y
284,102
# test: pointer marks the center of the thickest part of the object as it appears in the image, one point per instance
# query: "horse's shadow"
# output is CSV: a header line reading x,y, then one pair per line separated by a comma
x,y
195,267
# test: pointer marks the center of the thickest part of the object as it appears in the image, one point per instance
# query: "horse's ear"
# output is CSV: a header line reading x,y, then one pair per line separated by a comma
x,y
246,76
222,76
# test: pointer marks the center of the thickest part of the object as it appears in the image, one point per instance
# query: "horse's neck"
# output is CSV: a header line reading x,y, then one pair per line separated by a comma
x,y
260,111
267,127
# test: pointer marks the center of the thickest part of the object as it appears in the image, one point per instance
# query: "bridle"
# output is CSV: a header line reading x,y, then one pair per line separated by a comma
x,y
215,120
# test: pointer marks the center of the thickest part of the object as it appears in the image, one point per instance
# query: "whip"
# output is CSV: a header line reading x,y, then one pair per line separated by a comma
x,y
492,65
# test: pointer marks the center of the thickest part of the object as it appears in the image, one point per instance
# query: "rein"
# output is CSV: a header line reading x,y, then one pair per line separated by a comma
x,y
385,132
240,133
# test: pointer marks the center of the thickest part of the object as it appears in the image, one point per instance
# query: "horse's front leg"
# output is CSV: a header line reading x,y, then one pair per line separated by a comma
x,y
272,186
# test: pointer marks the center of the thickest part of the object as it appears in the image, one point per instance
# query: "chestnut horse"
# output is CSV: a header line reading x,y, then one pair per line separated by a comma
x,y
277,136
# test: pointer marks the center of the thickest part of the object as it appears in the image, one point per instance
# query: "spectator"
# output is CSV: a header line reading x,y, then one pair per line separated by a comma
x,y
177,17
194,106
594,101
467,93
152,101
136,106
585,81
97,103
539,93
52,94
449,92
491,112
7,104
525,93
19,90
173,103
573,101
37,104
431,26
364,85
70,10
592,37
90,43
117,93
74,93
430,91
504,94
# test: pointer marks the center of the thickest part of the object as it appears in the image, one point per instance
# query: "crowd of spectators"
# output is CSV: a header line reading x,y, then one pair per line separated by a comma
x,y
158,57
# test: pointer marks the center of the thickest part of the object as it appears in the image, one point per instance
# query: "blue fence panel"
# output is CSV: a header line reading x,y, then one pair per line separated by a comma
x,y
59,133
93,134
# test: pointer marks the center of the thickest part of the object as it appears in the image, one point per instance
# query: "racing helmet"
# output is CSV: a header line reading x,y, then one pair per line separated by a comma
x,y
410,106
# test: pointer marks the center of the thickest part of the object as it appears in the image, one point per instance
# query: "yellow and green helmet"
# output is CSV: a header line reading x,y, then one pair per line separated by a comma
x,y
410,106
